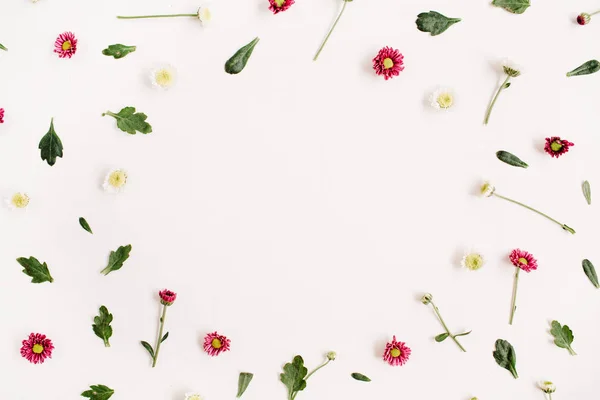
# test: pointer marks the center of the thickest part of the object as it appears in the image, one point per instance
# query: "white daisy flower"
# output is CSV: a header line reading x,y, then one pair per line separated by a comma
x,y
115,181
472,260
487,189
511,69
548,387
192,396
163,77
18,201
442,99
204,15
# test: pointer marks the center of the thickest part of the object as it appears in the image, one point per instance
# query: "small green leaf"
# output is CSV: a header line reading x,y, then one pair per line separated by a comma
x,y
243,382
38,272
164,337
513,6
590,271
506,85
238,61
587,192
98,392
148,348
118,50
101,325
434,22
116,259
360,377
441,337
563,336
463,334
51,146
586,68
506,357
84,224
510,159
129,121
3,48
293,375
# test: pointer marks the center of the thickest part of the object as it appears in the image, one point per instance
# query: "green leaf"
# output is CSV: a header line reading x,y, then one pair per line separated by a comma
x,y
148,347
293,375
463,334
506,357
164,337
513,6
360,377
434,22
563,336
587,192
590,271
243,382
129,121
98,392
510,159
441,337
238,61
84,224
101,325
586,68
116,259
38,272
118,50
3,48
51,146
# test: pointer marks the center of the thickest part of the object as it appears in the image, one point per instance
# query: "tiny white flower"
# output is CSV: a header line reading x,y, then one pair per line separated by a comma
x,y
163,77
115,181
472,260
204,15
442,99
18,201
192,396
487,189
548,387
511,69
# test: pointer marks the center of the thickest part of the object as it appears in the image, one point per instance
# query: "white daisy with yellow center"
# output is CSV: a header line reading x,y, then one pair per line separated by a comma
x,y
115,181
163,77
192,396
442,99
18,201
472,260
204,15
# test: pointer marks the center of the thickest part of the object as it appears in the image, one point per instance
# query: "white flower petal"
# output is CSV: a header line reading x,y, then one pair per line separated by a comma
x,y
204,15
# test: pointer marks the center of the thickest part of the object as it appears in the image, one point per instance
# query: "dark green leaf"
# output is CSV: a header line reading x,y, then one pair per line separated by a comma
x,y
293,375
164,337
148,347
590,271
434,22
463,334
51,146
98,392
513,6
587,192
38,272
238,61
3,48
510,159
84,224
506,85
360,377
563,336
506,357
129,121
118,50
586,68
441,337
243,382
116,259
101,325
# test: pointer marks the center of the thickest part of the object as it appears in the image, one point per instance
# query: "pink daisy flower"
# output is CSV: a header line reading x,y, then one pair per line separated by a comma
x,y
556,147
215,344
278,6
396,353
65,45
1,115
37,348
389,63
524,260
167,297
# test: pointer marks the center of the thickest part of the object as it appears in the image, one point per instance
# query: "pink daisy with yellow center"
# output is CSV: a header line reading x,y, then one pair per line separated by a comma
x,y
215,344
389,63
396,353
524,260
65,45
37,348
1,115
556,147
278,6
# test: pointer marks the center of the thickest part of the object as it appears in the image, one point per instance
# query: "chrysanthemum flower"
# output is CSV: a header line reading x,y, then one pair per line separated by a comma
x,y
204,15
524,260
473,261
163,77
1,115
115,181
487,189
193,396
389,63
511,69
18,201
556,147
215,344
37,348
278,6
547,387
442,99
65,45
396,353
585,18
167,297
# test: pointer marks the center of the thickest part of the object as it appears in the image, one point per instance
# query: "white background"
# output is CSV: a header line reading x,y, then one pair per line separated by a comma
x,y
298,207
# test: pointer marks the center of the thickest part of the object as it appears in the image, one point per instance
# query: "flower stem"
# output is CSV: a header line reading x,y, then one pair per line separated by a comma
x,y
489,110
514,296
594,13
564,226
156,16
437,312
106,343
293,396
571,351
111,114
160,335
549,396
331,30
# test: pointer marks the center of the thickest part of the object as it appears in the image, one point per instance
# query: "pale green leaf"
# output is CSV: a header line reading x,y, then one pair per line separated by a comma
x,y
129,121
116,259
243,382
434,22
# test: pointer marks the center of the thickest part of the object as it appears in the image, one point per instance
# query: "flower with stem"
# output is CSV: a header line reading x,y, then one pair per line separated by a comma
x,y
167,298
203,14
511,71
548,388
295,375
525,261
428,299
488,190
585,18
331,30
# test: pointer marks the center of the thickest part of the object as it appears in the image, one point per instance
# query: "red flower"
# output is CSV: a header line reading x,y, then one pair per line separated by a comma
x,y
524,260
37,348
396,353
278,6
389,63
1,115
65,45
556,147
584,18
167,297
215,344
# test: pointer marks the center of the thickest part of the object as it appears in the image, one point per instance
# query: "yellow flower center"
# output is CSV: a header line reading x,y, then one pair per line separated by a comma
x,y
20,200
556,146
388,63
66,45
117,178
445,100
523,261
473,261
279,2
38,348
216,343
395,353
163,77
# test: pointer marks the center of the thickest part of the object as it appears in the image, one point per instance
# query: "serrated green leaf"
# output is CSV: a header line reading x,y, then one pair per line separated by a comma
x,y
243,382
129,121
510,159
563,336
590,271
164,337
38,272
441,337
586,68
3,48
98,392
587,192
238,61
84,224
360,377
434,22
118,50
116,259
101,325
148,348
293,375
513,6
51,146
506,357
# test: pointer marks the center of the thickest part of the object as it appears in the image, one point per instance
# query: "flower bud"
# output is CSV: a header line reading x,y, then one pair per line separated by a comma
x,y
487,189
426,299
331,355
584,18
548,387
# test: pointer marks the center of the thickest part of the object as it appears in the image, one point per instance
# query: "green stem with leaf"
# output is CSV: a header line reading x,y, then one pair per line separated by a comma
x,y
504,85
157,16
331,30
453,337
514,296
3,48
160,335
293,395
